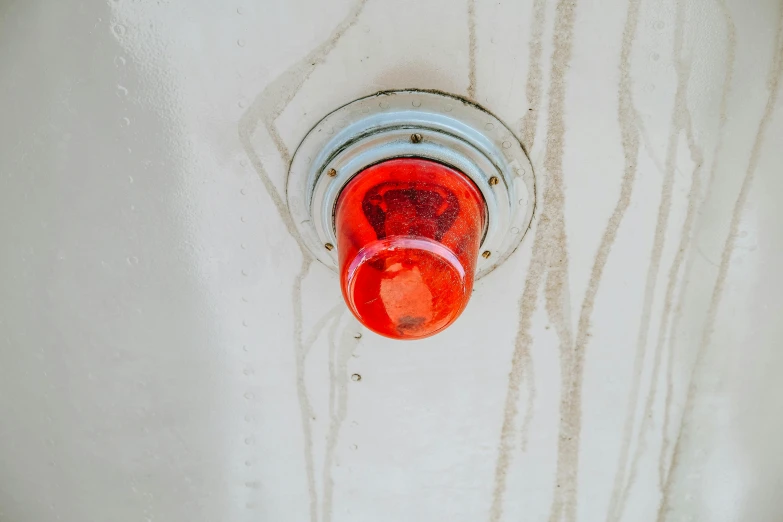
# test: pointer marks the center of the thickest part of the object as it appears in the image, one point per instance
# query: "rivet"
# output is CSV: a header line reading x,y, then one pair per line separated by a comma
x,y
416,137
331,173
486,254
329,246
493,181
356,377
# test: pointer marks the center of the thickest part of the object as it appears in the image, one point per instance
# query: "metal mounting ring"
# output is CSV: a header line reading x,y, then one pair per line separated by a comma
x,y
411,123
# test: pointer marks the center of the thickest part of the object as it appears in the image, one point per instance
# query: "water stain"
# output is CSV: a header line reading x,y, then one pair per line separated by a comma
x,y
622,485
664,332
305,408
302,350
520,367
527,421
556,289
627,115
319,326
472,49
548,268
276,96
731,47
648,146
266,108
776,71
339,355
534,75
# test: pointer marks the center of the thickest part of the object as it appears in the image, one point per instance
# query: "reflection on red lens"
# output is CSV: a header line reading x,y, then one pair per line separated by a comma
x,y
408,235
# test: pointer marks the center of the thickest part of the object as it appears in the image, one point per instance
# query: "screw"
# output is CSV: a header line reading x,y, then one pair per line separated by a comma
x,y
331,173
486,254
493,181
329,246
416,138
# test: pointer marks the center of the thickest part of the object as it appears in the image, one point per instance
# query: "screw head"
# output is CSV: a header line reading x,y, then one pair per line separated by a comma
x,y
329,246
331,173
494,181
416,137
486,254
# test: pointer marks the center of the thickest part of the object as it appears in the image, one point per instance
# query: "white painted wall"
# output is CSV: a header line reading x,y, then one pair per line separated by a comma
x,y
167,353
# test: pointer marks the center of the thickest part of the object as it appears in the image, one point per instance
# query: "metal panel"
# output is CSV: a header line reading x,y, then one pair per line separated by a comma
x,y
168,352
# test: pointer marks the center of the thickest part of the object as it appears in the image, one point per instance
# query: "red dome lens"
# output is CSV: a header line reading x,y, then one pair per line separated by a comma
x,y
408,235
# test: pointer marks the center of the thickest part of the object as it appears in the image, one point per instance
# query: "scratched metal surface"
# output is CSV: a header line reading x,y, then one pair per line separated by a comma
x,y
168,352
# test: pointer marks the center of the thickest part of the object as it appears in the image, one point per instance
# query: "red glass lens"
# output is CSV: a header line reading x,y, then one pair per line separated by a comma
x,y
408,235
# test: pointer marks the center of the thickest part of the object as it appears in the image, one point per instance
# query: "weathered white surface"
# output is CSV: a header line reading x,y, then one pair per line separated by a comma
x,y
166,352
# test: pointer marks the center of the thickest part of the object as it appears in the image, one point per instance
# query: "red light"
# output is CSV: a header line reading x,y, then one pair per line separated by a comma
x,y
408,235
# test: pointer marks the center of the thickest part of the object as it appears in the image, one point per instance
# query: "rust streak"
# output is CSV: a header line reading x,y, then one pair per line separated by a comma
x,y
776,70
